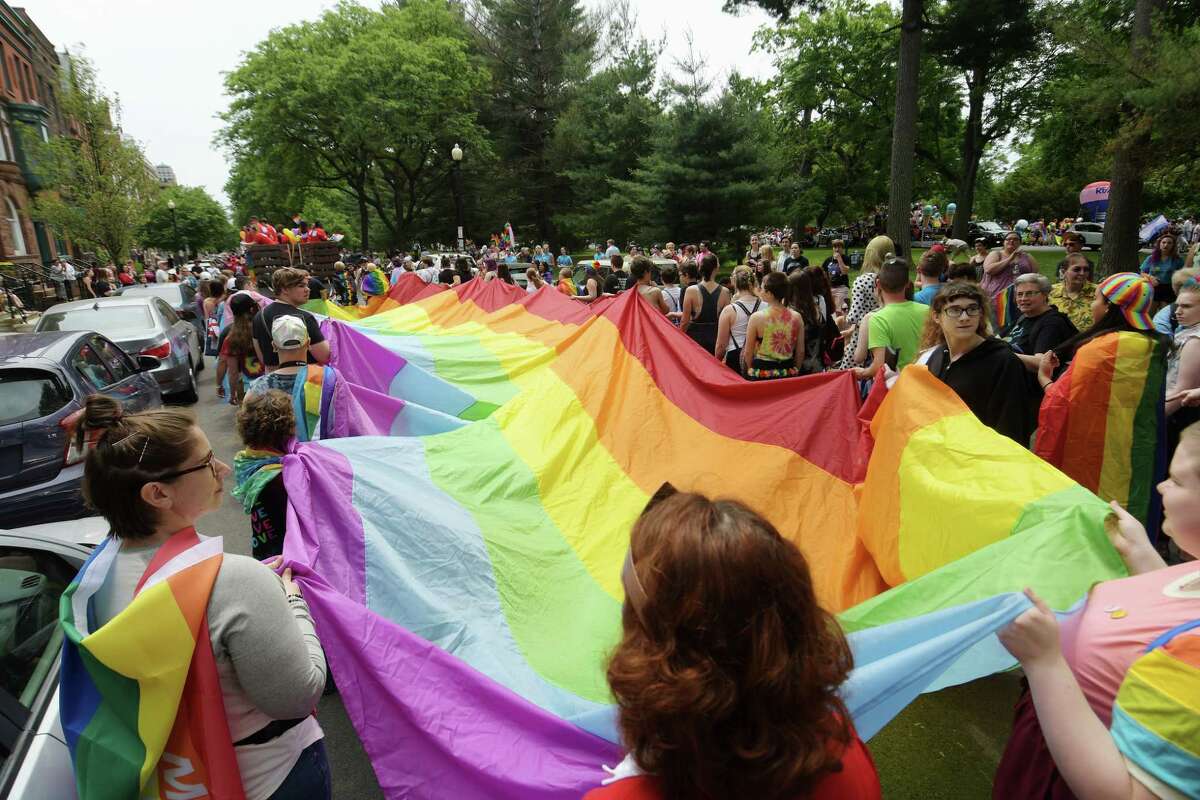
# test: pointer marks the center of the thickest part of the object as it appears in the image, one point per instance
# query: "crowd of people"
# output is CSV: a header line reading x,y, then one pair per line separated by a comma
x,y
727,672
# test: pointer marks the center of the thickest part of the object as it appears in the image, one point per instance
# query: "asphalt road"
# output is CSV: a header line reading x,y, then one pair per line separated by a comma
x,y
352,773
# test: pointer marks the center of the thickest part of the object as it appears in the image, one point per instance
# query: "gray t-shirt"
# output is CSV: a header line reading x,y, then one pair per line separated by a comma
x,y
283,381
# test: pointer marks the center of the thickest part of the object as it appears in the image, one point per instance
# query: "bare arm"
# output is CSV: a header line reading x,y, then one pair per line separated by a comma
x,y
724,326
996,262
1189,374
320,351
753,331
687,309
878,358
660,302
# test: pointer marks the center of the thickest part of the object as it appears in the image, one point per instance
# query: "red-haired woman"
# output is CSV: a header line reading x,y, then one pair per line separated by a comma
x,y
727,673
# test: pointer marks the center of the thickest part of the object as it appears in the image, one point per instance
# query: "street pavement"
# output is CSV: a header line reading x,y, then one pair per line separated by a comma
x,y
352,773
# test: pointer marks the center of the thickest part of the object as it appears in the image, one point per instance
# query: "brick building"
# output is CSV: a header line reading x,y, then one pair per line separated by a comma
x,y
30,83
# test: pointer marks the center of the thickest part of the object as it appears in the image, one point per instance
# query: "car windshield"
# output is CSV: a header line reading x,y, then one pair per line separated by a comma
x,y
171,292
28,394
990,226
113,321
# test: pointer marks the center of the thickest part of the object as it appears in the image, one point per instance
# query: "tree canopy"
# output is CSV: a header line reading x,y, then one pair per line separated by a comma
x,y
199,220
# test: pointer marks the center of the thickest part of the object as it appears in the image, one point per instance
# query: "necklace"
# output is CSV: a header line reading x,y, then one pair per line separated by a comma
x,y
283,364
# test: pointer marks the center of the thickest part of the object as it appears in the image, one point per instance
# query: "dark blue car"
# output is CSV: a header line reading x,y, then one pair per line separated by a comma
x,y
44,380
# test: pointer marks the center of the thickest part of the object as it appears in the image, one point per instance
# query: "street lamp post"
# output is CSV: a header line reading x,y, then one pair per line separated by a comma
x,y
174,227
456,155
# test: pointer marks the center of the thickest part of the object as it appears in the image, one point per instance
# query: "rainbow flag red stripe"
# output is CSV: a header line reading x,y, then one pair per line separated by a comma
x,y
1101,422
140,699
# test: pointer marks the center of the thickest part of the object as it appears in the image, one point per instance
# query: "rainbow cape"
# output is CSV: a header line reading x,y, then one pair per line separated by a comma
x,y
1102,422
139,696
1003,306
466,585
1156,715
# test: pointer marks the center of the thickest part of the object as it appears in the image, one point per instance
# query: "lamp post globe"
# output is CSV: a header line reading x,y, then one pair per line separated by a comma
x,y
456,156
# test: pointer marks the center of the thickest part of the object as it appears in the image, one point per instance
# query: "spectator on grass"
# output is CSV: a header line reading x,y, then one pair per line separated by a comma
x,y
1001,267
727,673
774,335
895,329
640,268
1160,265
930,269
863,297
702,305
976,260
731,326
1074,295
1040,327
837,267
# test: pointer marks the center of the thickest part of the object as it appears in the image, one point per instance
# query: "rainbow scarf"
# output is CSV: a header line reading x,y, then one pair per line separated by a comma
x,y
253,470
1156,715
491,553
312,402
140,699
1102,422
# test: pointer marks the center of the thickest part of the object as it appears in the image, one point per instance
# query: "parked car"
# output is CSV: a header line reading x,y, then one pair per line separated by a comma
x,y
44,380
990,232
144,325
1092,233
179,296
36,565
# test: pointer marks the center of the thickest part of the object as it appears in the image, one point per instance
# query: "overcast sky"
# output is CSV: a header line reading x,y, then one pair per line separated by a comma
x,y
165,59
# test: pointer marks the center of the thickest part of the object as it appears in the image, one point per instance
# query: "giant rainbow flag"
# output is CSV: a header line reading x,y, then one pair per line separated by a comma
x,y
466,584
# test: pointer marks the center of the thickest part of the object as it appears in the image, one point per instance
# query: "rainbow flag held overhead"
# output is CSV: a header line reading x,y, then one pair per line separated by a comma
x,y
466,585
139,696
1102,422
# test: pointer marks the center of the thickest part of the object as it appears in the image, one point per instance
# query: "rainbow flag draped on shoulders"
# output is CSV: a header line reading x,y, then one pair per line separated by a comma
x,y
490,555
139,696
1102,421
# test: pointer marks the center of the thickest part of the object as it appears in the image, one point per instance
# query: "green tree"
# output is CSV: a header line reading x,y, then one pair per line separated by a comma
x,y
97,185
708,173
1003,55
200,221
366,103
539,52
603,133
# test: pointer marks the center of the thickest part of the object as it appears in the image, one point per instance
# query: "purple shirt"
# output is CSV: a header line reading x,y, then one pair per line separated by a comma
x,y
995,284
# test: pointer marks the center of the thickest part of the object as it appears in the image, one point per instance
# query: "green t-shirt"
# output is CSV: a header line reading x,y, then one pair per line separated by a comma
x,y
898,327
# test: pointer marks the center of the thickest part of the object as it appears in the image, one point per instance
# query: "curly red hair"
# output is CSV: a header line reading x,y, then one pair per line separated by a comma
x,y
729,689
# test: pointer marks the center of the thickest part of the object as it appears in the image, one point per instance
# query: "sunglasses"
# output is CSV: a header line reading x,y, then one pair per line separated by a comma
x,y
208,463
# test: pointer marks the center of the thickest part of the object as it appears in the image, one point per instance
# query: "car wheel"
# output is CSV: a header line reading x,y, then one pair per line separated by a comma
x,y
192,393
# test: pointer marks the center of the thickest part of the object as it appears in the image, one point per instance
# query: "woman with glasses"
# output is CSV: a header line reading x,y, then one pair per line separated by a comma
x,y
1001,267
152,475
727,673
982,370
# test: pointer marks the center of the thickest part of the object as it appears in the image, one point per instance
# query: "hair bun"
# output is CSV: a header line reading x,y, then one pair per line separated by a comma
x,y
100,413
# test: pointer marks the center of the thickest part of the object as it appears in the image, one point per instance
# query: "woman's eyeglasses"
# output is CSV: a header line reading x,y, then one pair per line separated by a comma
x,y
958,312
207,463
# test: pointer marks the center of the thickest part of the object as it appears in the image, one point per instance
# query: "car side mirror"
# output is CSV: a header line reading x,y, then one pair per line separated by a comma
x,y
148,363
187,313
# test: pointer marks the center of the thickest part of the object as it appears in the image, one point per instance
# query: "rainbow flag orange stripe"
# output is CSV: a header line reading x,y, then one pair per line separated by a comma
x,y
1101,422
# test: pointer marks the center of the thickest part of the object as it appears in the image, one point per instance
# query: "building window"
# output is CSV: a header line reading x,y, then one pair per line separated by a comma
x,y
14,229
7,74
6,146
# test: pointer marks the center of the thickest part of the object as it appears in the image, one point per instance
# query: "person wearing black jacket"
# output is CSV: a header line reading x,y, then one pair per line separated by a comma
x,y
982,370
1040,327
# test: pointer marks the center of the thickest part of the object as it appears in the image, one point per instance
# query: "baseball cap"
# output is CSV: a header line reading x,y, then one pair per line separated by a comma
x,y
288,332
1133,294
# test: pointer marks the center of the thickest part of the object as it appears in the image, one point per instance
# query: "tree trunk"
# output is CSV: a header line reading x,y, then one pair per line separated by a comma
x,y
972,154
1120,253
804,174
363,217
904,125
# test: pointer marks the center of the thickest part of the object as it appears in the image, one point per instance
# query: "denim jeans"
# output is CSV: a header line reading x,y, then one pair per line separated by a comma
x,y
309,778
